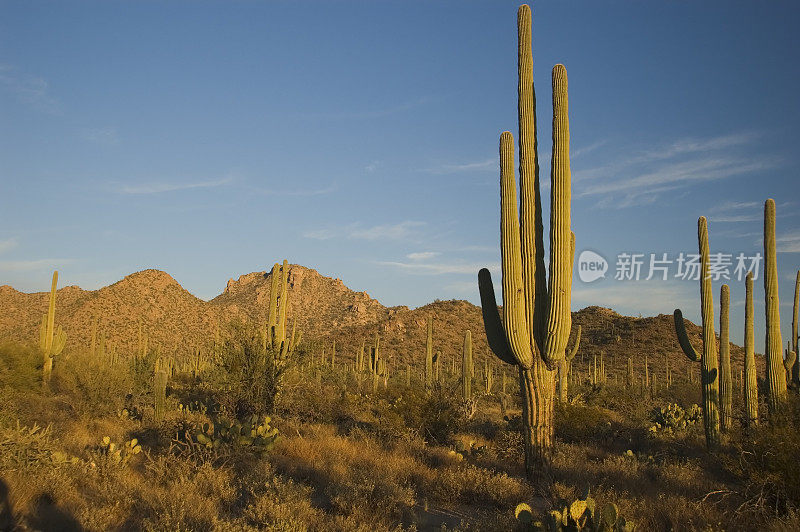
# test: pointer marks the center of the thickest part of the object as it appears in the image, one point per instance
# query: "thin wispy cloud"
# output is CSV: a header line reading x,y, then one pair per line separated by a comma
x,y
7,244
732,212
438,268
422,255
371,167
735,206
579,152
388,231
788,242
368,113
400,231
681,173
32,265
665,152
103,135
160,188
30,90
472,166
297,192
641,179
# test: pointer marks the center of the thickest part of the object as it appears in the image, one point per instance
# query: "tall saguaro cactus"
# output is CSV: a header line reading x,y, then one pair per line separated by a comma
x,y
466,366
51,342
773,346
536,322
725,383
709,371
750,385
276,337
429,355
796,366
375,363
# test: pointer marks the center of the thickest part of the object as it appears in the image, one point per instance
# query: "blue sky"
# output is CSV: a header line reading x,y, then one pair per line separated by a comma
x,y
211,139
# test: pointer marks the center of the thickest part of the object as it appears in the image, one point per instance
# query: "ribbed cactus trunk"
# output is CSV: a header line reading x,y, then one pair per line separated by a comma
x,y
429,355
773,347
51,341
750,384
709,371
160,394
726,383
47,332
534,331
272,313
795,310
375,364
466,367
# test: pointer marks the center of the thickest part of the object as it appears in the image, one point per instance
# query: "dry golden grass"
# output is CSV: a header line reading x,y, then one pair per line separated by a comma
x,y
363,461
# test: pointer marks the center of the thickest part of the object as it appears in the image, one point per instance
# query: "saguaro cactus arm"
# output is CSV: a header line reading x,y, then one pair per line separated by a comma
x,y
514,287
495,334
575,345
790,357
683,338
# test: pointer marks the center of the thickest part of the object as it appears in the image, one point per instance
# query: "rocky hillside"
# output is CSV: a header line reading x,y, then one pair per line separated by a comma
x,y
325,310
173,318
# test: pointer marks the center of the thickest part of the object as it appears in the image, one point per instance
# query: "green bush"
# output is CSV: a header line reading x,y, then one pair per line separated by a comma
x,y
20,366
248,376
92,385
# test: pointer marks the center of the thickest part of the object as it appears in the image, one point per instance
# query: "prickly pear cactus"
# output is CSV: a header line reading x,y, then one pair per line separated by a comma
x,y
252,433
579,515
119,454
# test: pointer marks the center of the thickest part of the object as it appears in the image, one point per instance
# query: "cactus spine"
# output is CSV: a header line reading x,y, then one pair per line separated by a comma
x,y
776,374
536,323
796,366
51,342
725,383
708,359
429,355
466,366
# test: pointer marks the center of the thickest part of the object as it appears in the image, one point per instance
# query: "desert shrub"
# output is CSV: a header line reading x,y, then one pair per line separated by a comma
x,y
247,375
20,366
574,423
435,416
141,372
92,385
765,460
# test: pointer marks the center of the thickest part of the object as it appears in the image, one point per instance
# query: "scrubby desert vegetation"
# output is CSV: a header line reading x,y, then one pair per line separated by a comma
x,y
290,402
356,450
